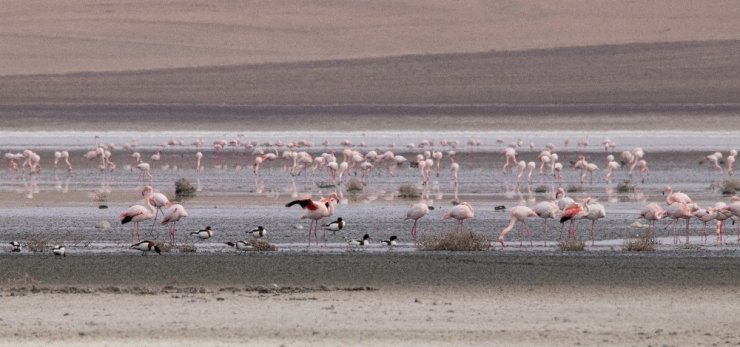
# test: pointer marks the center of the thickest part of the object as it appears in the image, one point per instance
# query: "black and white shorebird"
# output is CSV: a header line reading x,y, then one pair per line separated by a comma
x,y
362,243
258,232
59,251
390,241
241,245
335,225
146,246
203,234
16,246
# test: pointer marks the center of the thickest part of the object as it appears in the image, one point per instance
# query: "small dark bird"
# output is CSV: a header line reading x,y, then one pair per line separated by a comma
x,y
258,232
59,251
146,246
390,242
16,246
335,225
203,234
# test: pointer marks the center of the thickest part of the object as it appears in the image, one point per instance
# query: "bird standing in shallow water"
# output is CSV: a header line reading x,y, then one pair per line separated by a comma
x,y
315,211
335,226
461,212
416,212
520,214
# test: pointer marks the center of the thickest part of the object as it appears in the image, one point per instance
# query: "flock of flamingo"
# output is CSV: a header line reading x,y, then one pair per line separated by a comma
x,y
361,161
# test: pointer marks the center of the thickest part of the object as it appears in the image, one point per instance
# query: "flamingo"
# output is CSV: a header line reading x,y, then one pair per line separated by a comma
x,y
546,210
455,167
651,213
315,211
563,201
461,212
520,214
676,211
705,215
176,213
198,158
136,214
158,200
571,212
594,211
416,212
671,196
731,162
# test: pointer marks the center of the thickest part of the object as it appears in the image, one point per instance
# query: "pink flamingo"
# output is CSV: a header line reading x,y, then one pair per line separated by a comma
x,y
416,212
731,162
705,215
520,214
571,213
315,211
198,158
136,214
676,211
671,196
461,212
176,213
594,211
652,213
546,210
510,154
158,200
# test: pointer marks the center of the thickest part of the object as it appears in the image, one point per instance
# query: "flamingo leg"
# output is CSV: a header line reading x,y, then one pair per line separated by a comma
x,y
688,220
529,233
413,230
593,231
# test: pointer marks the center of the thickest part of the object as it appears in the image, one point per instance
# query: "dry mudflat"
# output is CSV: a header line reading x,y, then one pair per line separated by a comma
x,y
370,299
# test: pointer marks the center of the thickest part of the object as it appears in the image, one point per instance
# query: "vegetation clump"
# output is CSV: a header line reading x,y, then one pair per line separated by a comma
x,y
729,187
571,246
574,189
355,185
455,241
408,191
262,245
643,244
37,245
183,189
625,187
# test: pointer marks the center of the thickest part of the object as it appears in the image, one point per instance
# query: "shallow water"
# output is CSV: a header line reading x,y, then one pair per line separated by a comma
x,y
63,207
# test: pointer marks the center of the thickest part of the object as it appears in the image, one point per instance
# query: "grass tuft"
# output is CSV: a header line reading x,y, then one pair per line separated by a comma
x,y
355,185
541,189
262,245
574,189
186,248
183,189
571,246
454,241
729,187
643,244
37,244
625,187
408,191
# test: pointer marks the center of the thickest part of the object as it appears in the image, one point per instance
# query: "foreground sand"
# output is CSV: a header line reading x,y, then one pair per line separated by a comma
x,y
370,299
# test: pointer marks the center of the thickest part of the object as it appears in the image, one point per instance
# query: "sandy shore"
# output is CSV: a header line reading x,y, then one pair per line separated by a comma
x,y
363,299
